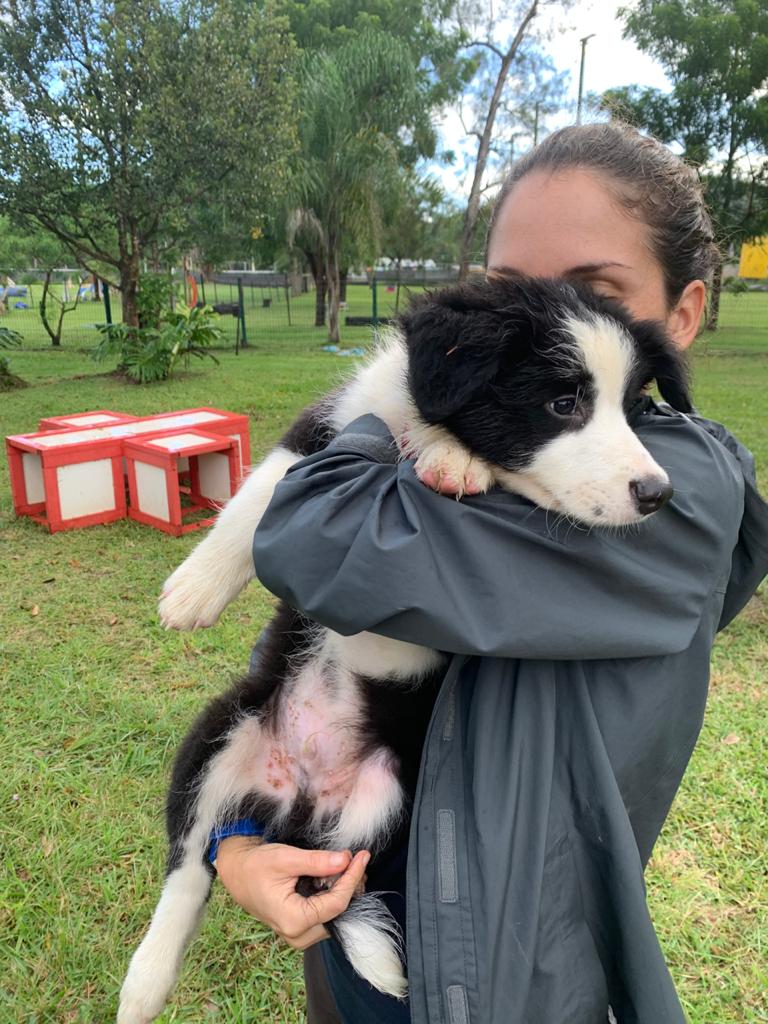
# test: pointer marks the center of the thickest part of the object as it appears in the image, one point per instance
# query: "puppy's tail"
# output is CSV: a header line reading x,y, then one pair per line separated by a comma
x,y
372,943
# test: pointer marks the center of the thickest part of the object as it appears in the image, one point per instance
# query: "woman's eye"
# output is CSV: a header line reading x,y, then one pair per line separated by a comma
x,y
564,406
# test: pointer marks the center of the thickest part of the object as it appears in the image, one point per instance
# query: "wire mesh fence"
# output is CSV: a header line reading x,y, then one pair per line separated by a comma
x,y
269,308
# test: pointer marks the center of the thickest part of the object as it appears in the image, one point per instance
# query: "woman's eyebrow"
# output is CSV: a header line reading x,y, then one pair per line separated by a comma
x,y
581,269
593,268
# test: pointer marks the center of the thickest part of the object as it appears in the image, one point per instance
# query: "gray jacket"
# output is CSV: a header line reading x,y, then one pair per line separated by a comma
x,y
568,713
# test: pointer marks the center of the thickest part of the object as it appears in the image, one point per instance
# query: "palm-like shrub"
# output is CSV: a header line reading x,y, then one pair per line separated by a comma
x,y
148,354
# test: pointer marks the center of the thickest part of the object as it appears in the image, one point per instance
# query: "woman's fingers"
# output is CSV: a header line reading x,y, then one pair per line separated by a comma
x,y
331,903
262,879
304,916
294,862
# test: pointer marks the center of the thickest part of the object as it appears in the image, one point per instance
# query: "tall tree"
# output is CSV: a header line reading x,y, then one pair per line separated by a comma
x,y
358,109
482,26
428,31
715,54
119,115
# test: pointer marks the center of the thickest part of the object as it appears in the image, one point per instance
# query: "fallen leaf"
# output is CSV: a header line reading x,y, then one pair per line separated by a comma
x,y
34,610
75,564
47,846
730,739
113,620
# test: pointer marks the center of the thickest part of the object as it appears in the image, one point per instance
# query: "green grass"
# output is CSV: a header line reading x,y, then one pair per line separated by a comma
x,y
96,698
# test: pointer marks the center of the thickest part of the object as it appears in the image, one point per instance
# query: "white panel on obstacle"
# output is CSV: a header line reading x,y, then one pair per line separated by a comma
x,y
214,477
152,491
85,488
33,477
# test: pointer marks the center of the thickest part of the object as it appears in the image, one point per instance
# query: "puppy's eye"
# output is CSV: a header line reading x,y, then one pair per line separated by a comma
x,y
566,405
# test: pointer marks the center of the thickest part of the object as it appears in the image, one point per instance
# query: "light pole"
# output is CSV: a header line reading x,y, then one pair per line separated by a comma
x,y
581,75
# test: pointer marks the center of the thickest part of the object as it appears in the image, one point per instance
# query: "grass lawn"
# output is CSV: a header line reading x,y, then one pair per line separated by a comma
x,y
96,698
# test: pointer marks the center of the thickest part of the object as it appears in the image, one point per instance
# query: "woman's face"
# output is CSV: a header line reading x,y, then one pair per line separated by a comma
x,y
568,224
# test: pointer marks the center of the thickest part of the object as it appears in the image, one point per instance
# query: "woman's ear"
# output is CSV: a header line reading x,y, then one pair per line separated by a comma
x,y
684,321
454,350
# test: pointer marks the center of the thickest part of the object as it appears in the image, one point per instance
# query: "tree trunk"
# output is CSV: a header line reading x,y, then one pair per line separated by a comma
x,y
332,273
484,147
129,287
320,289
53,334
397,293
714,299
343,274
317,268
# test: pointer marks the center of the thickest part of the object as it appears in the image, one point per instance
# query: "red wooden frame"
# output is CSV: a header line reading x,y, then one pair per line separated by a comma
x,y
145,451
48,512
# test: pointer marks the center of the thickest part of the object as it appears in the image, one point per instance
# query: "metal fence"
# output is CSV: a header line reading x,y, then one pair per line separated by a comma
x,y
269,308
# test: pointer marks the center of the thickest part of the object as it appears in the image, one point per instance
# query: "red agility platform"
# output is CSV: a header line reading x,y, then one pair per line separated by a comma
x,y
67,478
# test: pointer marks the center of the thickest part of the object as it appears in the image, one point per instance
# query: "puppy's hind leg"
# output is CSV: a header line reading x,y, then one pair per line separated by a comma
x,y
155,965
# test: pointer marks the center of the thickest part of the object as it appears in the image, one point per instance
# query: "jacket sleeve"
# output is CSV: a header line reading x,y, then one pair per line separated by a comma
x,y
353,540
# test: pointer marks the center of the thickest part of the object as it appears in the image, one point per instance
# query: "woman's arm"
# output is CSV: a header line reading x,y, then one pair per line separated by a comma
x,y
354,540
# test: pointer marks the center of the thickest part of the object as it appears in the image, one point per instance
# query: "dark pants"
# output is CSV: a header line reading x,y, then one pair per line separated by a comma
x,y
321,1008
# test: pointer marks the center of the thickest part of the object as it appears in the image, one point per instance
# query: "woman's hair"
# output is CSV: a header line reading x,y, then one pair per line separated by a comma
x,y
648,180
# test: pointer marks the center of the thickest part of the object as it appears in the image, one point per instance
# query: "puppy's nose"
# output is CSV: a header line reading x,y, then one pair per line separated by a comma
x,y
650,493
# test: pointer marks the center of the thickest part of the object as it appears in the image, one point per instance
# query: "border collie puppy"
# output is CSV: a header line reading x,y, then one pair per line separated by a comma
x,y
515,382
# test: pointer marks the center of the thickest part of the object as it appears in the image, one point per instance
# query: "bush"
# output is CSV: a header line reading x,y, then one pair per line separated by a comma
x,y
149,354
735,286
9,380
157,293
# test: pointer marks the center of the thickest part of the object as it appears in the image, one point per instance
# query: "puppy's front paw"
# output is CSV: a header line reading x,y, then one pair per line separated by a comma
x,y
449,468
195,595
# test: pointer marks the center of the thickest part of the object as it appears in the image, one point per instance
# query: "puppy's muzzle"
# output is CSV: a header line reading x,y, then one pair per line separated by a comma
x,y
649,493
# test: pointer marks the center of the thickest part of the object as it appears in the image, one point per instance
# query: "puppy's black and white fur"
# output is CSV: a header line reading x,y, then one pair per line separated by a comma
x,y
520,383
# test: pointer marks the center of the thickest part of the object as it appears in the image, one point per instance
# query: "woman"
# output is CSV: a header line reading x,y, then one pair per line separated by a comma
x,y
577,690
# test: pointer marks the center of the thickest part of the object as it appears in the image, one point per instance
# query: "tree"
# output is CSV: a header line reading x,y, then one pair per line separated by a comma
x,y
53,308
427,27
715,54
427,30
119,116
409,206
480,29
358,108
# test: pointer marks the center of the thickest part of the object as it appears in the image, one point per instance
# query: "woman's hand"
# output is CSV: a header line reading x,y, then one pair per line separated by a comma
x,y
261,878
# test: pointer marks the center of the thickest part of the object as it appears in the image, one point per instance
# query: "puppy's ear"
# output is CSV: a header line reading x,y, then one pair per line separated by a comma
x,y
673,380
669,366
455,345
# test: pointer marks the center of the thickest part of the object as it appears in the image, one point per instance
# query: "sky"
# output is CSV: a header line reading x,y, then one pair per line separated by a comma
x,y
610,61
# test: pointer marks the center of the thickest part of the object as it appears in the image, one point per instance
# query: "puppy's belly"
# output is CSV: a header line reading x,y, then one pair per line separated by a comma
x,y
314,749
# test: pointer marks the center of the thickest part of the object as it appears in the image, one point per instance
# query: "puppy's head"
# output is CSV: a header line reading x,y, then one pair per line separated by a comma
x,y
537,377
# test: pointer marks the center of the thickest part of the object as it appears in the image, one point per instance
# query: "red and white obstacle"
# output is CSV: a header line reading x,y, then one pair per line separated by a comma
x,y
72,471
